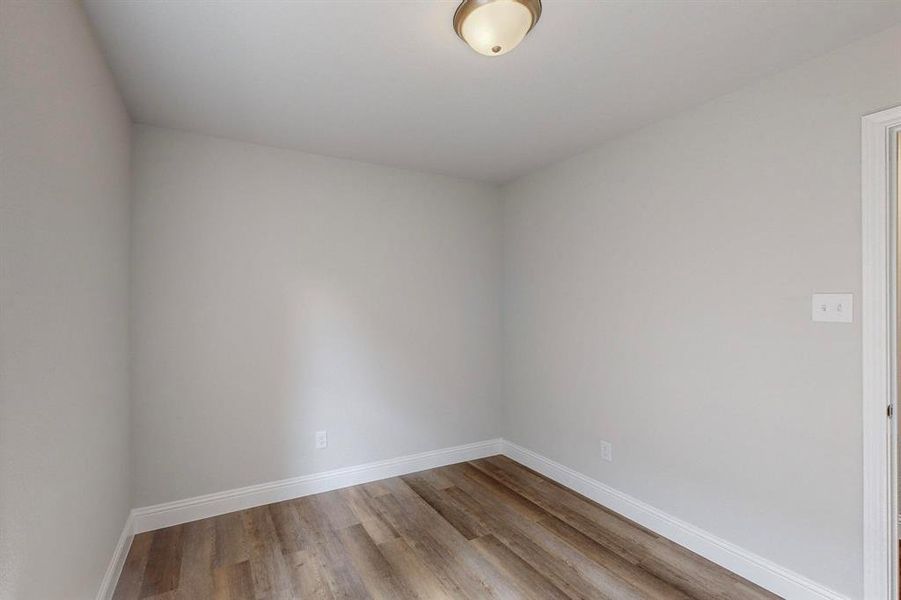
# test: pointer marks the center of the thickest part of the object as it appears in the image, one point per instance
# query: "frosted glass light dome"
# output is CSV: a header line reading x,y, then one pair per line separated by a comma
x,y
494,27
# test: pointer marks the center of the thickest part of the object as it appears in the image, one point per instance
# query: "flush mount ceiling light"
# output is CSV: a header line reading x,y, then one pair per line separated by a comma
x,y
494,27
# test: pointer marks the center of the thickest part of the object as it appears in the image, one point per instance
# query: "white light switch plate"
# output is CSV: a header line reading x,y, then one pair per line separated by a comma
x,y
833,308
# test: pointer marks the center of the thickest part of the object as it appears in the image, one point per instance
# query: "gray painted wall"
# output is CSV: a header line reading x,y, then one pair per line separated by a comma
x,y
657,295
64,210
278,293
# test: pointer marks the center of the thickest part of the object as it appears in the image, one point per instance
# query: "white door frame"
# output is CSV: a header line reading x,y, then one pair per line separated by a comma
x,y
880,521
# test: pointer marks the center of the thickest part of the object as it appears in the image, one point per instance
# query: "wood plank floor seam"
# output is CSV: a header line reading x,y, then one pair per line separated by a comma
x,y
489,528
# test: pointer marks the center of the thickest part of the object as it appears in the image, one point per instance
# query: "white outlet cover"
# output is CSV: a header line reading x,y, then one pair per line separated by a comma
x,y
321,440
607,451
832,308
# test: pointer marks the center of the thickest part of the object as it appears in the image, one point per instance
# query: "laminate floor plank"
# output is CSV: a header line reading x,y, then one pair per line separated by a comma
x,y
198,548
335,510
308,576
163,569
525,507
325,545
377,573
233,582
489,528
646,582
414,571
693,575
570,571
621,538
374,488
375,525
529,582
132,577
230,545
288,526
268,568
438,544
608,528
465,522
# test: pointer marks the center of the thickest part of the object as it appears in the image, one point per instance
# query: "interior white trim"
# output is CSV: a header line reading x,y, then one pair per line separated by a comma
x,y
879,512
149,518
752,567
111,577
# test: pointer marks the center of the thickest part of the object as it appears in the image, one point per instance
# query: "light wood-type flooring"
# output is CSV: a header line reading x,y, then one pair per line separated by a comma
x,y
489,528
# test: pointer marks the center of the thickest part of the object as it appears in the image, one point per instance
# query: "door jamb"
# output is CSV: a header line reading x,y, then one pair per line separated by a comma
x,y
878,309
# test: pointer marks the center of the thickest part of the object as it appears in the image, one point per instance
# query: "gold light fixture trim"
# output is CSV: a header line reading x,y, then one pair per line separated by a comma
x,y
495,27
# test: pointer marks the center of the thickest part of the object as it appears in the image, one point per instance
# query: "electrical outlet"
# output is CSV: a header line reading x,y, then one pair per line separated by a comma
x,y
607,451
321,440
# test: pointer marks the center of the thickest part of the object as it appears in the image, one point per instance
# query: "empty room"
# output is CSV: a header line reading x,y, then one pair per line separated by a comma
x,y
450,299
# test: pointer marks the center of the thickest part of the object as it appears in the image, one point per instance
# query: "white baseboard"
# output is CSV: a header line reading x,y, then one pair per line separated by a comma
x,y
111,577
752,567
149,518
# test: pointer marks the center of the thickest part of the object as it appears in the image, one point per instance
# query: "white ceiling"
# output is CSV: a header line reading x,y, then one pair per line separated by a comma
x,y
389,82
